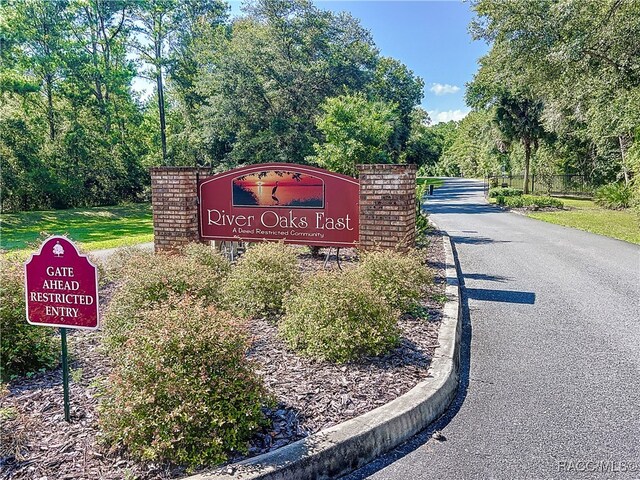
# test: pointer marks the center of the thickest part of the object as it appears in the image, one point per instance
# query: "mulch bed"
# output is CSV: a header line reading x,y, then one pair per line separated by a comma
x,y
37,444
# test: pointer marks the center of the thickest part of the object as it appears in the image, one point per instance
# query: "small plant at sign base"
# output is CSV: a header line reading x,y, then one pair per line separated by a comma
x,y
258,283
183,390
440,298
401,278
76,375
339,317
24,348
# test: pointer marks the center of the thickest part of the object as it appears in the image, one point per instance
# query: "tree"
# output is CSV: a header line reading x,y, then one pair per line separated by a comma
x,y
266,80
394,83
582,60
356,130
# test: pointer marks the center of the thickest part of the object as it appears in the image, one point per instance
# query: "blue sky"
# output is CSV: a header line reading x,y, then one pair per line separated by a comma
x,y
430,37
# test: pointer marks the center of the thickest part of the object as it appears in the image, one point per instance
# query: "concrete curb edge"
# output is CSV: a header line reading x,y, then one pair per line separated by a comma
x,y
350,445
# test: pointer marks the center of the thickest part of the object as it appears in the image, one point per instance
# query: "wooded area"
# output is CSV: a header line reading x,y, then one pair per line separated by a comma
x,y
263,87
558,93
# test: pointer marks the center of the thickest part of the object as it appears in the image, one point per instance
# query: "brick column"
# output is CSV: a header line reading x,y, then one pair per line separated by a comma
x,y
174,200
387,206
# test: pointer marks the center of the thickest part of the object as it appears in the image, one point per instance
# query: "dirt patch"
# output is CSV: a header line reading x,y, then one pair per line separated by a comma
x,y
311,395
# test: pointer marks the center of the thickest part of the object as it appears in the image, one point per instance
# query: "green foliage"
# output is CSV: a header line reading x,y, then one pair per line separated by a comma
x,y
204,255
258,283
183,391
426,143
574,64
356,130
400,278
422,220
504,192
24,348
147,280
338,317
614,196
530,201
476,149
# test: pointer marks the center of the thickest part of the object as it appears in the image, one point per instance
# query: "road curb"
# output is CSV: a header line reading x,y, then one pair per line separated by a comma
x,y
350,445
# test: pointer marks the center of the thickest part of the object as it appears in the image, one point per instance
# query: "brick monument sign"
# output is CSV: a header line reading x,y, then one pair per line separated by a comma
x,y
279,196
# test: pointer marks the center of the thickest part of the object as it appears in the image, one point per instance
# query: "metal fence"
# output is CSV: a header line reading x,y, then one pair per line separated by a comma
x,y
548,184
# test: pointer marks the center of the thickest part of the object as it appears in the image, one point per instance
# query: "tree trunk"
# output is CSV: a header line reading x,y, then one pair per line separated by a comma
x,y
623,153
163,133
50,113
158,59
527,158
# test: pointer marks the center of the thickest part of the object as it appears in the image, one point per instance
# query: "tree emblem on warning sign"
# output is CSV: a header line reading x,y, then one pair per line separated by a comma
x,y
58,251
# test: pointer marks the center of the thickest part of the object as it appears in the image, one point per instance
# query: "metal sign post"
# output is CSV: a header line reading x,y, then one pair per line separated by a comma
x,y
65,374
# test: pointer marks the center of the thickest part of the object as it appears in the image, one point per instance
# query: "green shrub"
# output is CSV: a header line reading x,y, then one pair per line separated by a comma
x,y
339,317
530,201
614,196
183,391
205,255
24,348
504,192
401,278
422,220
126,260
263,275
150,279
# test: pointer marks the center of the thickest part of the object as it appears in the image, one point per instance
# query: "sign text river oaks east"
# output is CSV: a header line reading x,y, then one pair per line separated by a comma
x,y
280,201
61,287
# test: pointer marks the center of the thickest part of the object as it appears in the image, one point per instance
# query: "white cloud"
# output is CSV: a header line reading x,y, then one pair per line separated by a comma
x,y
438,116
443,89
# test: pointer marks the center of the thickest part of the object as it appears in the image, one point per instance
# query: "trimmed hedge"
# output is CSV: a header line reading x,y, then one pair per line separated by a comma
x,y
338,317
526,201
504,192
400,278
24,348
258,283
183,391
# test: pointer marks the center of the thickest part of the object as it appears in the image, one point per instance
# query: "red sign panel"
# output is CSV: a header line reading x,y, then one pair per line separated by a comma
x,y
61,287
280,201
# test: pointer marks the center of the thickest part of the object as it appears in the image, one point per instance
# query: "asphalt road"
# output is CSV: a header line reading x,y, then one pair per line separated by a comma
x,y
550,382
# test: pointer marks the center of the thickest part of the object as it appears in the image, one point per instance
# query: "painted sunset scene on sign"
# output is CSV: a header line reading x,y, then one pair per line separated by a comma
x,y
278,188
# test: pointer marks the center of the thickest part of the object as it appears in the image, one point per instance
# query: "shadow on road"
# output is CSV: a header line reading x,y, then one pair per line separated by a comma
x,y
476,240
433,207
506,296
489,278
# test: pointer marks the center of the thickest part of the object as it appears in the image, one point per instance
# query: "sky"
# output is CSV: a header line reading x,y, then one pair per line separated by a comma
x,y
429,37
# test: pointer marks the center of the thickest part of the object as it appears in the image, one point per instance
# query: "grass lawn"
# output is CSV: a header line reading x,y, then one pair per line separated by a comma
x,y
94,228
436,182
586,215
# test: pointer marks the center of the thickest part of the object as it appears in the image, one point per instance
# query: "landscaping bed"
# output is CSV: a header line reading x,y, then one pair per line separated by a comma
x,y
309,394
